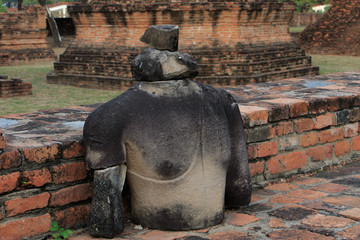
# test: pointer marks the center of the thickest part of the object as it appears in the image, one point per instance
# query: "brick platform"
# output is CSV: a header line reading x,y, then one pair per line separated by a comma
x,y
14,87
23,36
337,32
293,127
234,42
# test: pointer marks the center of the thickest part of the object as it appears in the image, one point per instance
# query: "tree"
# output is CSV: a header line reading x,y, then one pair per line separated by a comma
x,y
305,5
2,7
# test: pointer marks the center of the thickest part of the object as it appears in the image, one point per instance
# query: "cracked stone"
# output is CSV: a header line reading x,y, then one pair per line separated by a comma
x,y
320,220
293,212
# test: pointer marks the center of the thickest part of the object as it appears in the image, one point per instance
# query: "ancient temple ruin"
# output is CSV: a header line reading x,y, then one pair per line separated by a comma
x,y
23,36
235,42
14,87
338,32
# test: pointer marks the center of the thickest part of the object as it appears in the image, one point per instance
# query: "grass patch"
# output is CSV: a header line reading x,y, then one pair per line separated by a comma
x,y
332,64
47,95
296,29
58,96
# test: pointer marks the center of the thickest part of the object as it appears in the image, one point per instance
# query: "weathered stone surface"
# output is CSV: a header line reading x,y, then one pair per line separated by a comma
x,y
293,212
155,65
162,37
189,159
106,214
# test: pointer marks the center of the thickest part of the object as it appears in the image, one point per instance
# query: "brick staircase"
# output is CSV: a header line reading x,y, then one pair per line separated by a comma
x,y
246,64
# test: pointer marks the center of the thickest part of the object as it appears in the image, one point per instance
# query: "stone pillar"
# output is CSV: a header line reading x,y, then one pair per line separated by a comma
x,y
235,42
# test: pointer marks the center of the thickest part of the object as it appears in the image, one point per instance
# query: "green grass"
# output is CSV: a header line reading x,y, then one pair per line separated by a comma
x,y
47,95
332,64
296,29
58,96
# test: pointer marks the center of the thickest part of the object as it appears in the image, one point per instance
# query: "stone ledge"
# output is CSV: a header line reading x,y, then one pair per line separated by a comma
x,y
292,126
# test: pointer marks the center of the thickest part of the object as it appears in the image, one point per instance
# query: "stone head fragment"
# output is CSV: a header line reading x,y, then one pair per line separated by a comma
x,y
162,37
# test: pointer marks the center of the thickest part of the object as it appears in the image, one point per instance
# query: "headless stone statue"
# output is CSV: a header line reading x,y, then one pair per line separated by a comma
x,y
179,143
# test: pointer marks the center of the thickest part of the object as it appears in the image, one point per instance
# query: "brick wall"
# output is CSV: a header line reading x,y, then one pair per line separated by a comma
x,y
293,126
41,184
304,19
338,32
23,36
14,87
238,41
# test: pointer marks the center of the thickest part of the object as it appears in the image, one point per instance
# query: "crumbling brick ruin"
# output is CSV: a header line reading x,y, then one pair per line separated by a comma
x,y
23,36
234,42
338,32
14,87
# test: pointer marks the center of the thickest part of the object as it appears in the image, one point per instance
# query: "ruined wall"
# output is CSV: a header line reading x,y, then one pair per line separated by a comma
x,y
23,36
303,19
338,32
234,42
14,87
292,126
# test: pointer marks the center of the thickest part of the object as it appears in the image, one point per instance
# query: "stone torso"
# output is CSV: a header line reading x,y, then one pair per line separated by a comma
x,y
167,151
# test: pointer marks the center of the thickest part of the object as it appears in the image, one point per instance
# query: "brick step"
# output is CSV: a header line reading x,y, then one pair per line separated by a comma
x,y
255,67
204,69
104,69
200,55
255,78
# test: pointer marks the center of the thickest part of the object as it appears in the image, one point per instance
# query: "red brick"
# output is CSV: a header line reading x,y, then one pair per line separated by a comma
x,y
288,143
342,148
284,128
352,233
309,139
9,182
317,105
3,142
282,187
287,162
73,217
263,150
240,219
324,121
344,201
229,235
256,115
298,108
330,187
321,153
353,213
72,150
37,178
297,234
355,115
323,221
285,199
341,102
356,143
309,181
69,172
306,194
257,168
71,194
42,154
20,205
26,227
304,125
332,135
11,157
157,235
276,223
351,130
